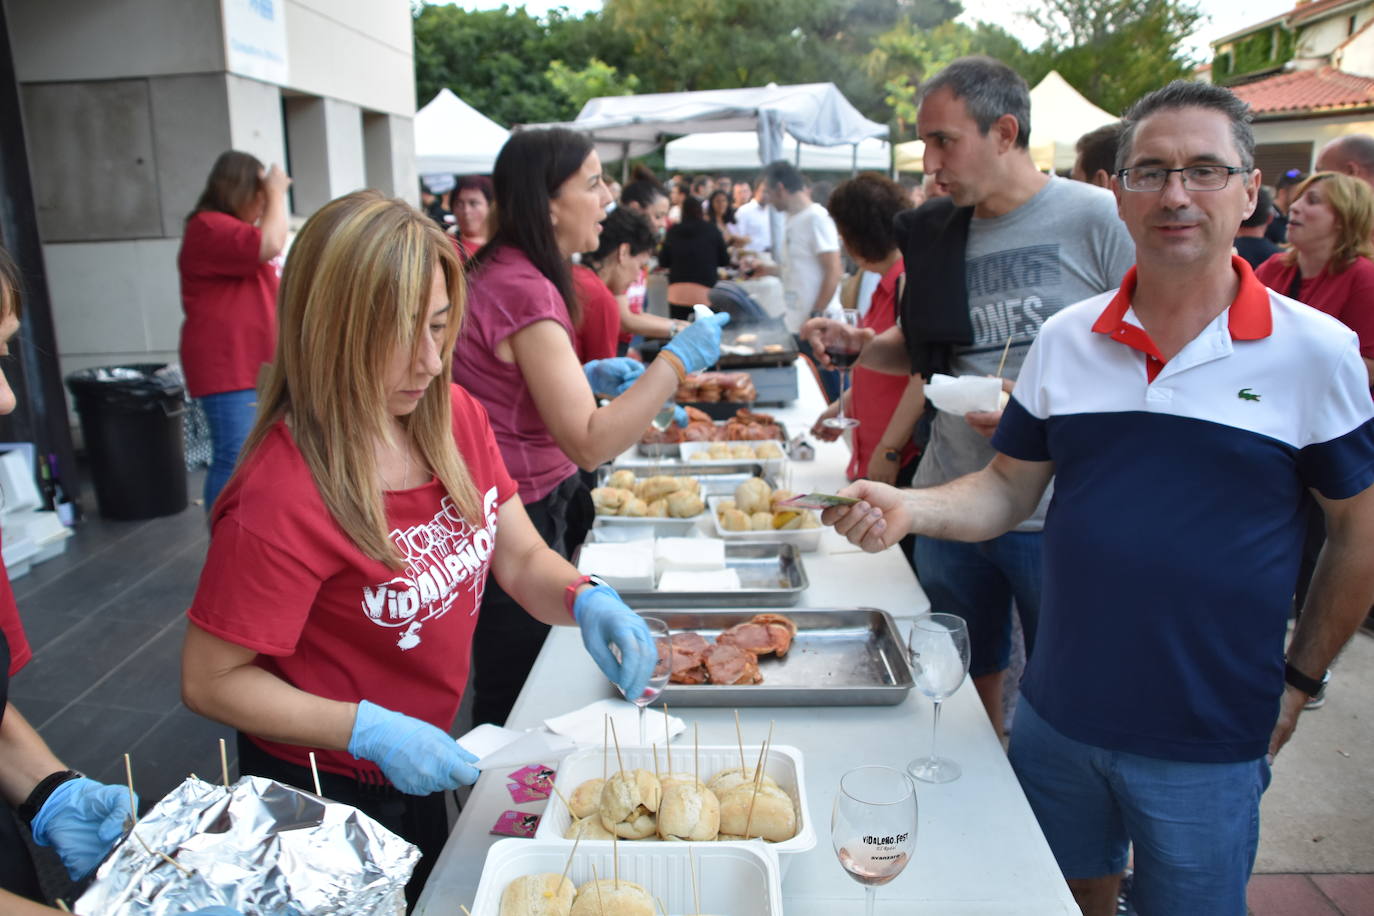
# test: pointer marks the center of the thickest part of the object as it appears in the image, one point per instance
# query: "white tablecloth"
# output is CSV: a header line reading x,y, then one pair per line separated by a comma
x,y
979,850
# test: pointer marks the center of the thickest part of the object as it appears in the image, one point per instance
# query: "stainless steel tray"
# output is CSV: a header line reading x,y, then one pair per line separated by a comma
x,y
670,449
716,479
840,657
771,575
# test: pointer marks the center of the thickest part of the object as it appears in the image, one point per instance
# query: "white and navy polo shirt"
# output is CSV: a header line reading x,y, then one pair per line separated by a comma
x,y
1172,542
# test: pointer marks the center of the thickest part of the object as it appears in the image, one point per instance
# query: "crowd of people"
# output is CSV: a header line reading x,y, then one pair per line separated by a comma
x,y
404,415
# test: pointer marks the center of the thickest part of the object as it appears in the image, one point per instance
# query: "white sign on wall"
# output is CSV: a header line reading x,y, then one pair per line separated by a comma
x,y
255,39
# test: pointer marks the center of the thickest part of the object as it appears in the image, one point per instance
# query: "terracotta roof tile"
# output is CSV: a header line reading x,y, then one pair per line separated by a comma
x,y
1323,89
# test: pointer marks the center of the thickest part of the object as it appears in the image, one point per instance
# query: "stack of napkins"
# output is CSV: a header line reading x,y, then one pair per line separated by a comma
x,y
693,565
627,567
588,724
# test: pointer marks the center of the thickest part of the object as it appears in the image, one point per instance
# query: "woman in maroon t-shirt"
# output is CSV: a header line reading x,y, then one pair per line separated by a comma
x,y
229,295
351,547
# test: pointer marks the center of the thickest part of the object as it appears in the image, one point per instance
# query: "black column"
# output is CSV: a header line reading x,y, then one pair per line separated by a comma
x,y
41,414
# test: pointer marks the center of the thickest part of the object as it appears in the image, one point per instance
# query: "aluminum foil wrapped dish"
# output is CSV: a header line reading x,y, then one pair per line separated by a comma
x,y
258,846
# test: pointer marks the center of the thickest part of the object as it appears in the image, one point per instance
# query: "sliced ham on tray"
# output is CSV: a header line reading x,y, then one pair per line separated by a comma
x,y
688,662
727,664
765,634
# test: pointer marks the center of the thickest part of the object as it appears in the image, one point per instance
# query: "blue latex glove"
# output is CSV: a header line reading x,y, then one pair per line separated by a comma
x,y
611,377
605,621
698,344
680,416
82,819
418,758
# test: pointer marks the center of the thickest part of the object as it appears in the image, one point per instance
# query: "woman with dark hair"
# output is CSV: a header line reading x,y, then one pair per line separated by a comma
x,y
516,356
886,406
472,198
229,295
603,280
692,251
721,213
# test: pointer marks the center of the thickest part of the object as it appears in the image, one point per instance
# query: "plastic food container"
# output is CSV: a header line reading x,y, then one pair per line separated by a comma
x,y
806,539
737,878
770,465
783,765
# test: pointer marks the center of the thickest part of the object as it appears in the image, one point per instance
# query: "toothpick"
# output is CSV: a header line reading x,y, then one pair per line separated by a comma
x,y
605,745
766,743
596,883
618,759
1003,361
133,803
166,858
739,737
655,750
224,763
566,868
696,894
466,911
315,774
661,908
62,906
615,859
667,739
696,754
758,782
564,799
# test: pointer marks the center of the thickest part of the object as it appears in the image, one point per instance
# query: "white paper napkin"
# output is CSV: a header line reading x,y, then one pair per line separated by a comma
x,y
497,747
586,725
964,394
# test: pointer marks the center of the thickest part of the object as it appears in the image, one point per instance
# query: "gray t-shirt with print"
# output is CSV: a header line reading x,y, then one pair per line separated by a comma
x,y
1063,245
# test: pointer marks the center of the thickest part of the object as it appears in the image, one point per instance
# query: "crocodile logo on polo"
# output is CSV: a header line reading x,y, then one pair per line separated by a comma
x,y
1245,394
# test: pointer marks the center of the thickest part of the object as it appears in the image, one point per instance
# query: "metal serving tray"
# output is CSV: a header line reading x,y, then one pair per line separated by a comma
x,y
840,657
670,449
770,575
717,479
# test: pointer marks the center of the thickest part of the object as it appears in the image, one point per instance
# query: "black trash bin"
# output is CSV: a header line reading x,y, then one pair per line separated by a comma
x,y
131,421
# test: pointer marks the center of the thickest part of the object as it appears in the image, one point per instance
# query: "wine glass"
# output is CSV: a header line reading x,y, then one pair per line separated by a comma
x,y
843,349
873,826
939,651
663,645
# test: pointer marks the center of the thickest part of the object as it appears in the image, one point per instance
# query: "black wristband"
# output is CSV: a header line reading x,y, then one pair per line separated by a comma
x,y
41,792
1308,685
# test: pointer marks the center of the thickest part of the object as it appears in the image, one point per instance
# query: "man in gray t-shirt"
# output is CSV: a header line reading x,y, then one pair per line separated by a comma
x,y
1035,244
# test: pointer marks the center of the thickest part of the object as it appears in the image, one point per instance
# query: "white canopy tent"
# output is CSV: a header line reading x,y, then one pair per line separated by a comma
x,y
740,150
453,137
624,126
1059,116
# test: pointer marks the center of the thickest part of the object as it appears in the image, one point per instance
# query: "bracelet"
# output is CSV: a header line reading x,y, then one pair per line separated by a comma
x,y
570,593
891,454
42,792
676,363
1308,685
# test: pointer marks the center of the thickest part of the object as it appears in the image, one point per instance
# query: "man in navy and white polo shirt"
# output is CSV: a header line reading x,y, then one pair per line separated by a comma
x,y
1182,417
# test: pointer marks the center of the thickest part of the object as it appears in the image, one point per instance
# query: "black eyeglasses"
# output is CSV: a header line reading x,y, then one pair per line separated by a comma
x,y
1195,177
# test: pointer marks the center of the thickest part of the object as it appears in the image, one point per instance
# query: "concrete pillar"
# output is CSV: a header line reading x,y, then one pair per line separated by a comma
x,y
190,129
389,151
326,141
255,119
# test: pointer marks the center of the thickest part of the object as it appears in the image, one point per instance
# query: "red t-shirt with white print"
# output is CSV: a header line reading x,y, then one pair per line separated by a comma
x,y
283,579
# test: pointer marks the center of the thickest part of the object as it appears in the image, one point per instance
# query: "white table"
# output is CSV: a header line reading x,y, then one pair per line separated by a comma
x,y
979,850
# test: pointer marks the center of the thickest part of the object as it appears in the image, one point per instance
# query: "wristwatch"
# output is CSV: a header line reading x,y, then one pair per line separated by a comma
x,y
42,792
1308,685
570,593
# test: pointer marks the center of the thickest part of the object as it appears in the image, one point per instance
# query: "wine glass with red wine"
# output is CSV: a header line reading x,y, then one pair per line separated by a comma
x,y
873,826
842,346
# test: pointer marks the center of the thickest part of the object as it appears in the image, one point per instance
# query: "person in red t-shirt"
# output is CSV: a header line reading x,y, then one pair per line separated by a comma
x,y
79,817
350,550
603,280
886,406
229,295
472,214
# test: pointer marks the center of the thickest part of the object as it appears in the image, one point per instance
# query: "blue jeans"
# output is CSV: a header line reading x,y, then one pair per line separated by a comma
x,y
230,415
1195,826
978,582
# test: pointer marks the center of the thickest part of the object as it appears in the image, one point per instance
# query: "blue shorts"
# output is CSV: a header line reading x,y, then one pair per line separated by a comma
x,y
1195,826
978,582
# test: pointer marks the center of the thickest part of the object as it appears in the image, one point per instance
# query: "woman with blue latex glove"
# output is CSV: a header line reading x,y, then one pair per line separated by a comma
x,y
518,358
369,512
607,621
80,818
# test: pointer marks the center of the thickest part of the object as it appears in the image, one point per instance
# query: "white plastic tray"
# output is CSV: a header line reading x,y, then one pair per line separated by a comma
x,y
772,466
737,878
783,765
806,539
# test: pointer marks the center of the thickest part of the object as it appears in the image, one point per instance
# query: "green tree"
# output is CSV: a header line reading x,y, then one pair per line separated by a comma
x,y
1115,51
596,79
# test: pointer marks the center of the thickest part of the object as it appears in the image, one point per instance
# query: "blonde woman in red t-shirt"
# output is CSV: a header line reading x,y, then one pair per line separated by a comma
x,y
350,549
229,294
